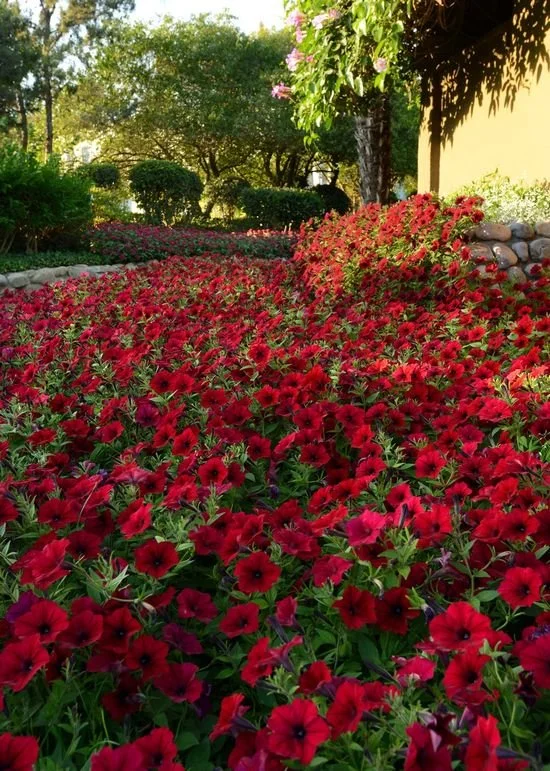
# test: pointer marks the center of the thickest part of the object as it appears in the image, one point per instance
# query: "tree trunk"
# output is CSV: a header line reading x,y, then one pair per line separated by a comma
x,y
24,124
373,137
48,106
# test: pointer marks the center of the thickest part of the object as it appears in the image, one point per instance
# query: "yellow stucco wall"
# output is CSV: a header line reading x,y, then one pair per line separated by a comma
x,y
497,119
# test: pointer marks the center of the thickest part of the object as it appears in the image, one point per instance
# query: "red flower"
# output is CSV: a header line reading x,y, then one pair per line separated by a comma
x,y
179,683
535,658
285,612
156,558
124,700
184,442
394,610
356,607
416,668
195,604
118,627
296,730
241,619
135,519
481,754
426,751
8,512
20,661
428,464
45,619
231,709
521,587
256,573
213,472
316,675
330,568
18,753
46,566
158,749
366,528
346,711
463,678
148,654
126,758
459,628
260,662
84,629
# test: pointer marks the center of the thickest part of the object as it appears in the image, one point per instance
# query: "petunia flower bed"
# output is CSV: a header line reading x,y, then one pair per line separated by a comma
x,y
253,520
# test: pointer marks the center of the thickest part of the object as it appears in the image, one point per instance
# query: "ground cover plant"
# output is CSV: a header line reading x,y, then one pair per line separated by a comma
x,y
248,522
138,243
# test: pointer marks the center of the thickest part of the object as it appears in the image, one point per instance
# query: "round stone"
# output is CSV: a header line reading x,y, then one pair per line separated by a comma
x,y
521,249
543,229
533,270
522,230
539,249
492,231
19,279
516,275
481,252
44,276
505,256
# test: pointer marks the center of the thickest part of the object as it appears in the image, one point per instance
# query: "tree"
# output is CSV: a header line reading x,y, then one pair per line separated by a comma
x,y
18,57
68,27
349,56
198,93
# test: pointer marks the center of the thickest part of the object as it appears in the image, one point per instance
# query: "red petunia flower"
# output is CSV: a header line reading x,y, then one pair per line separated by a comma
x,y
260,662
393,611
330,568
521,587
315,676
179,683
463,678
148,654
296,730
184,442
535,658
256,573
127,758
460,627
20,661
346,711
135,519
366,528
484,740
18,753
213,472
195,604
285,611
118,627
156,558
428,464
84,629
158,749
47,565
45,619
414,669
231,709
426,752
356,607
8,512
241,619
124,700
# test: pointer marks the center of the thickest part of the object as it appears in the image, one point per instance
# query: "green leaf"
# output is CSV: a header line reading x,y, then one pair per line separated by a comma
x,y
186,740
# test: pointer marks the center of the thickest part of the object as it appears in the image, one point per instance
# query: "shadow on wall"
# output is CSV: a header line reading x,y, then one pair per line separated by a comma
x,y
487,49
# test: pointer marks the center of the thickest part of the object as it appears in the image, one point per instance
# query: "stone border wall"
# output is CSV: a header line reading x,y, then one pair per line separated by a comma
x,y
518,248
36,278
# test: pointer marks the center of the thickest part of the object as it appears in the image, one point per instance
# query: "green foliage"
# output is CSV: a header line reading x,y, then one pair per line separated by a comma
x,y
225,194
405,129
38,201
279,208
506,201
334,198
166,191
49,259
18,56
110,205
101,174
344,54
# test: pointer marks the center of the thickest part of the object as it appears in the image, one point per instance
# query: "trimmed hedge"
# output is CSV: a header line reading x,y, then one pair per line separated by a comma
x,y
281,207
166,191
334,198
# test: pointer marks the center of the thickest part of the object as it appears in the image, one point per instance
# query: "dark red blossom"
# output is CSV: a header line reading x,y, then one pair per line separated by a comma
x,y
195,604
460,627
45,618
232,708
296,730
356,607
18,753
180,683
127,758
256,573
484,740
426,752
241,619
20,661
156,558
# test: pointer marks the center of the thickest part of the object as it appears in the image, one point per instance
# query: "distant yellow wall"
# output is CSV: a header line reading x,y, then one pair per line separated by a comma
x,y
490,112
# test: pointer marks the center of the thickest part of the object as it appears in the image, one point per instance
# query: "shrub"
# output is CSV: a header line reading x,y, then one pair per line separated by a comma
x,y
137,243
334,198
104,175
413,238
280,207
506,201
225,193
110,205
166,191
38,201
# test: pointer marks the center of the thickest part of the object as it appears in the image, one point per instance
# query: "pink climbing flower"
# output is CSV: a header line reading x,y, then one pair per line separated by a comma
x,y
280,91
293,59
381,64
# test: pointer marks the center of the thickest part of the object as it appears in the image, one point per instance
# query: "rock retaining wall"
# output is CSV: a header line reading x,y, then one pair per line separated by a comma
x,y
35,278
518,248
